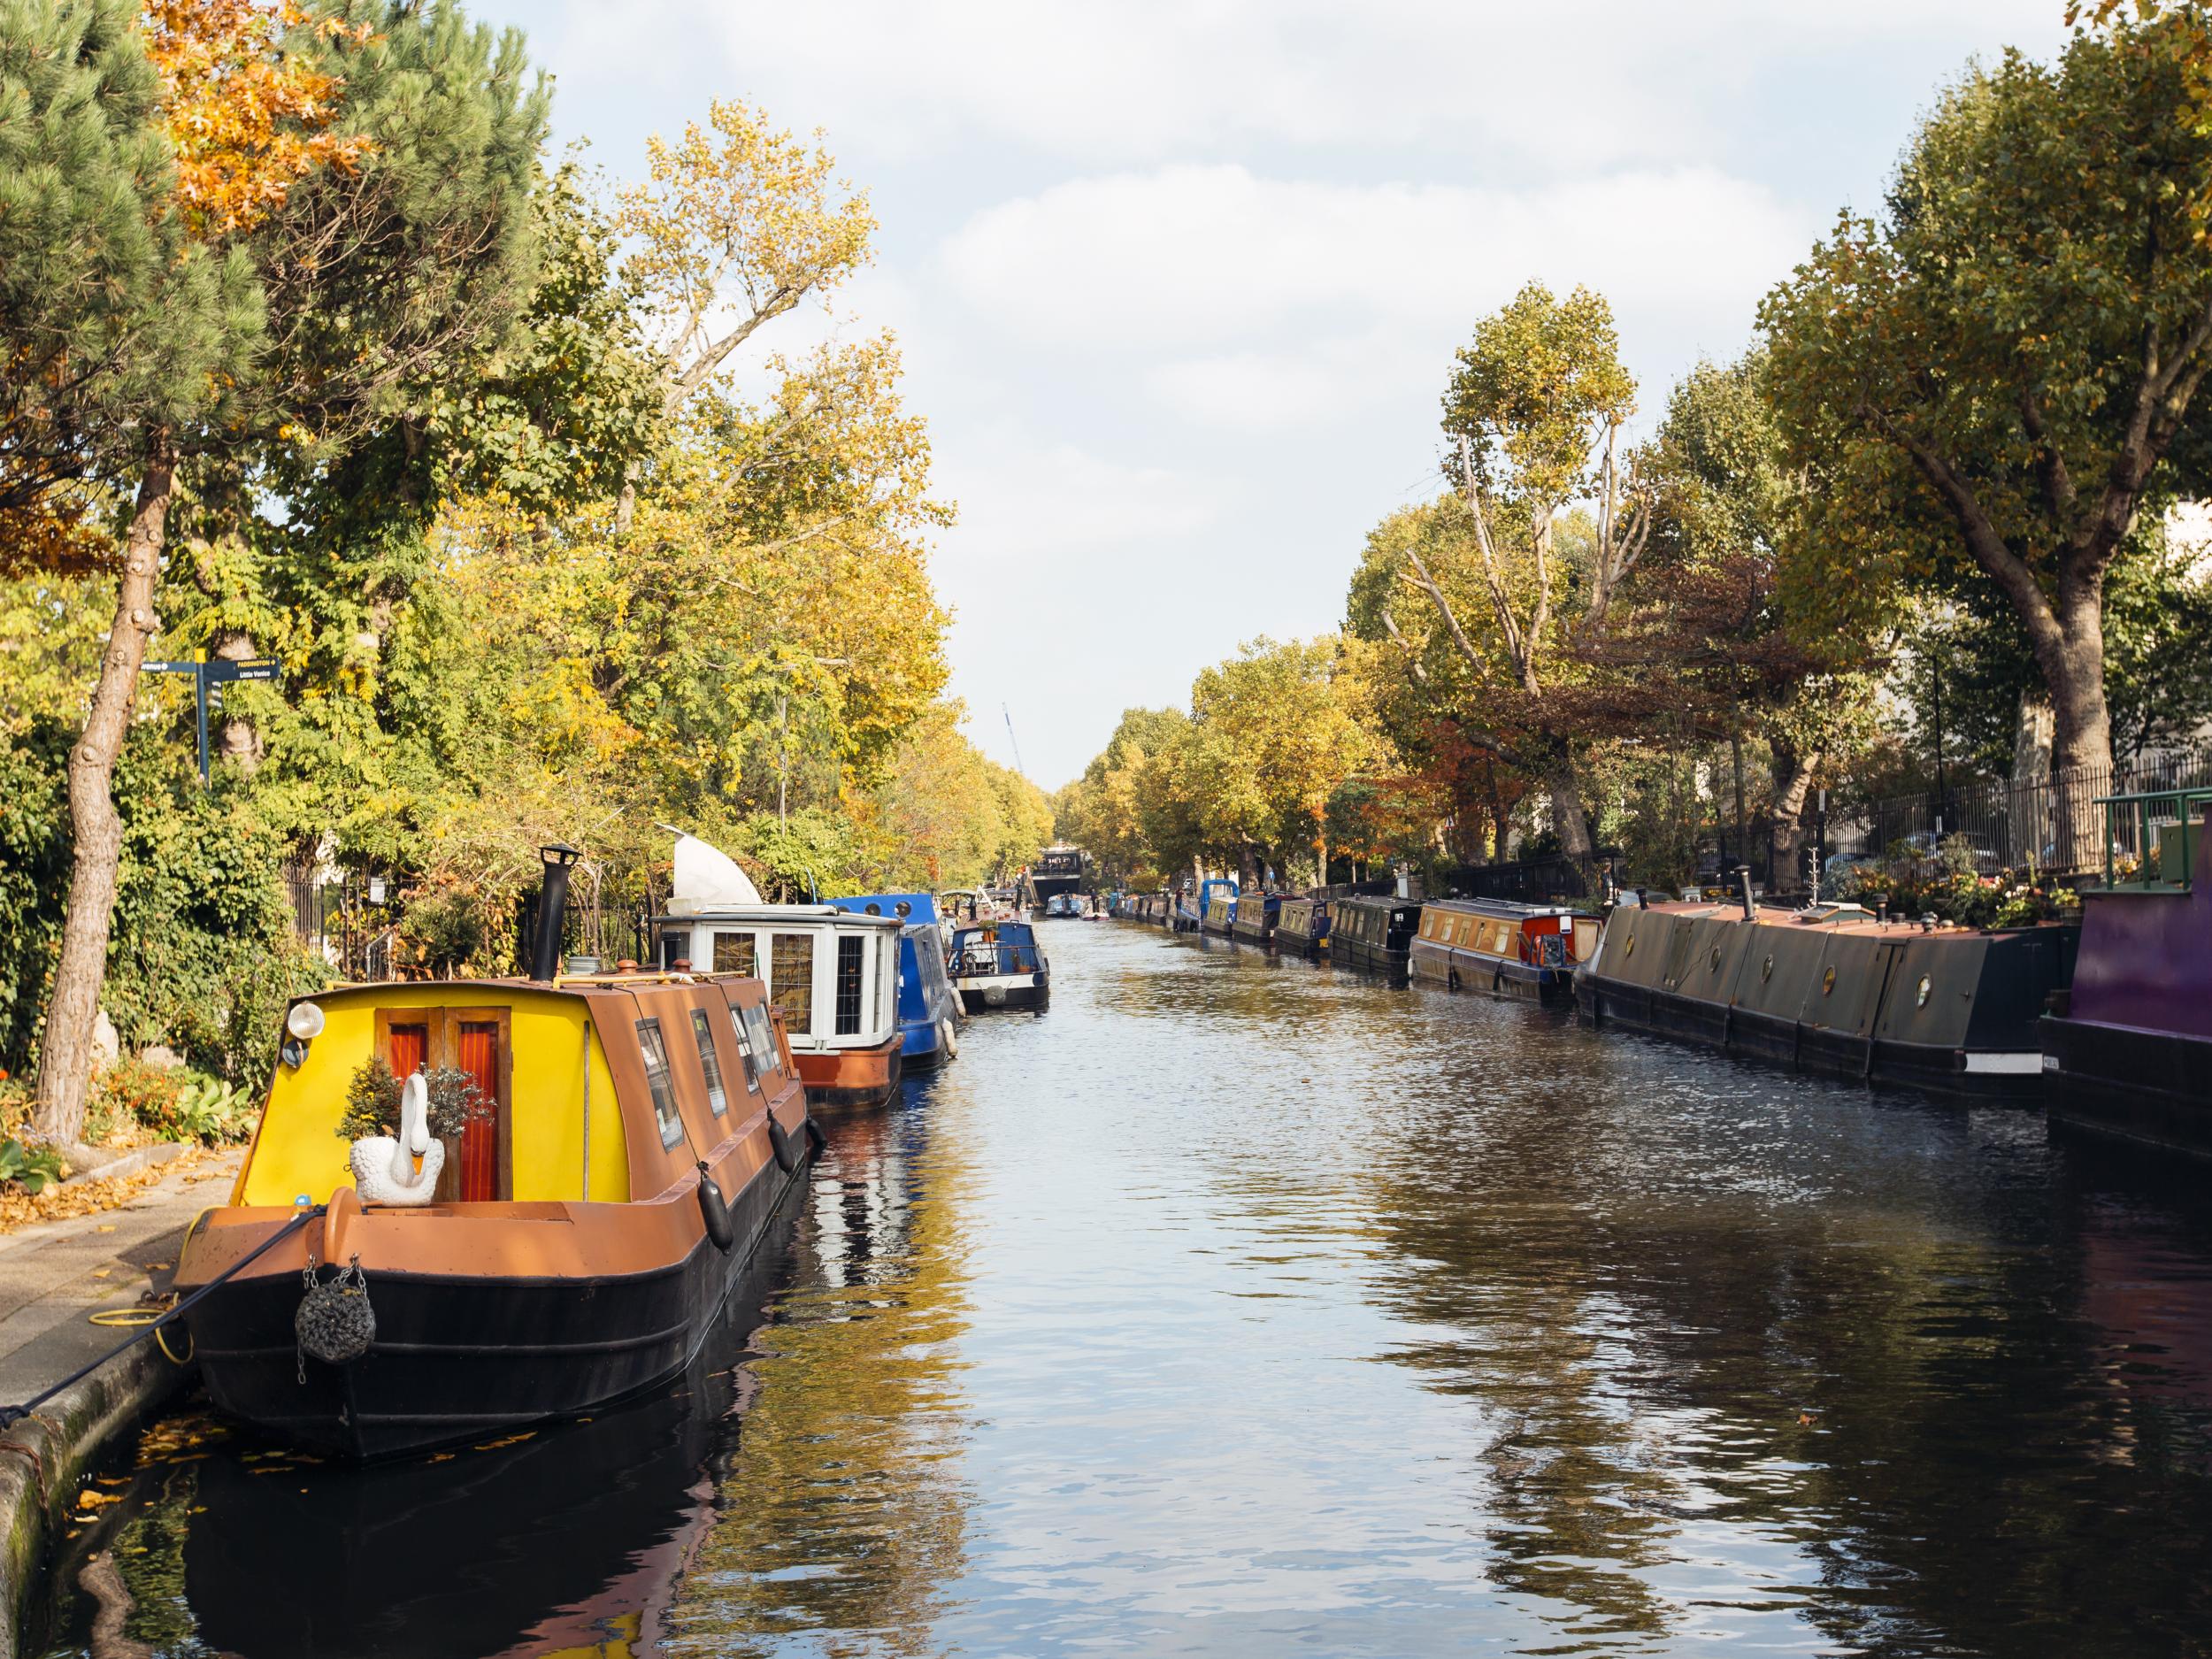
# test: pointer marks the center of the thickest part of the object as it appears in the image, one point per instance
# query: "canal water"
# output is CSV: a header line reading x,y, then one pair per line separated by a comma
x,y
1238,1307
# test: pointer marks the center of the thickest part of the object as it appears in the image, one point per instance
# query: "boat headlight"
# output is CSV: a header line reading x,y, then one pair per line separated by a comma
x,y
302,1026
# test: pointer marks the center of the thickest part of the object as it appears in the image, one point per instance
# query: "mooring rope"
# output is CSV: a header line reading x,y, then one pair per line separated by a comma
x,y
10,1415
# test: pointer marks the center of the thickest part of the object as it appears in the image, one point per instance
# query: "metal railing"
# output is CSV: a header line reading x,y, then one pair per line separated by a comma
x,y
2130,820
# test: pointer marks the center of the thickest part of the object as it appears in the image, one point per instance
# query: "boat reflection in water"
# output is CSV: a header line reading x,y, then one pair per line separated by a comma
x,y
564,1541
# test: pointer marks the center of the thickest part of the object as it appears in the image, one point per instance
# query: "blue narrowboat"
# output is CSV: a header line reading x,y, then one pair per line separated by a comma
x,y
929,1012
997,965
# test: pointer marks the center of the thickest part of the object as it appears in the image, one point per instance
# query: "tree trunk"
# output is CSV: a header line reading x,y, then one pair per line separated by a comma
x,y
1568,818
1789,821
2081,733
64,1068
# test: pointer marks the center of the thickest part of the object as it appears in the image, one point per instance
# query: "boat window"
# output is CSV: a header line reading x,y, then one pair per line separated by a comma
x,y
708,1061
734,954
791,982
850,947
658,1080
766,1059
745,1048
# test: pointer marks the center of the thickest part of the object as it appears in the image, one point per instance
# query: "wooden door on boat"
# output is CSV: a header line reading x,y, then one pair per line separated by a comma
x,y
471,1040
476,1051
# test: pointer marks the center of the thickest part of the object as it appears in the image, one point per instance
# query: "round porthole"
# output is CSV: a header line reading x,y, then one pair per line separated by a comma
x,y
1828,981
874,910
1630,948
1766,969
903,910
1712,961
1926,986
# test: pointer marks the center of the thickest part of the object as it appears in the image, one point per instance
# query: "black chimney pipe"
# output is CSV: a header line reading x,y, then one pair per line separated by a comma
x,y
545,960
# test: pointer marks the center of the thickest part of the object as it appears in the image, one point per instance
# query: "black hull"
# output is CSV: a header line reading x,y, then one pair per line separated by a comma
x,y
1513,981
1936,1069
2153,1087
462,1359
1357,953
1029,996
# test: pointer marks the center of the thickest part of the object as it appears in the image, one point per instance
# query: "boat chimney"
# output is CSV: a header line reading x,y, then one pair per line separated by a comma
x,y
545,959
1743,880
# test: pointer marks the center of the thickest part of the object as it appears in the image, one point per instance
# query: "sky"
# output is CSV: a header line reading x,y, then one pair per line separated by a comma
x,y
1178,285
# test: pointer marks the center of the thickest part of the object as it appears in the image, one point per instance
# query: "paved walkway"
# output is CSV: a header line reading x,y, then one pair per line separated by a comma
x,y
54,1274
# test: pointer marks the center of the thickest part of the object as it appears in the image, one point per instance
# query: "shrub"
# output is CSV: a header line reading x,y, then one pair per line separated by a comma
x,y
32,1167
372,1101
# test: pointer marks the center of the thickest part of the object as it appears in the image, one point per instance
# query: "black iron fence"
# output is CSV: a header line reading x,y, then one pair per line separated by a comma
x,y
2050,826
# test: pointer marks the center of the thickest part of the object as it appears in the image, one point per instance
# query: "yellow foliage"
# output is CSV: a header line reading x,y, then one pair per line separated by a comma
x,y
249,119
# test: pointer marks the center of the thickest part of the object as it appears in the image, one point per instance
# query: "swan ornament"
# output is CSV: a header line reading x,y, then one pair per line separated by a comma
x,y
402,1169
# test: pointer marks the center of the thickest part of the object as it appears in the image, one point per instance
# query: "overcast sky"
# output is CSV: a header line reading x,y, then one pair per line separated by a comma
x,y
1179,284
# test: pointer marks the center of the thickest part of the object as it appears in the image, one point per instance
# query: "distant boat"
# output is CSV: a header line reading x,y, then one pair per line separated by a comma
x,y
929,1012
998,964
1302,924
833,974
1057,870
1505,948
1373,932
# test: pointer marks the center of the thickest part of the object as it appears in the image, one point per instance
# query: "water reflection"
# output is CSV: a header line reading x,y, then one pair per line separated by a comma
x,y
1245,1307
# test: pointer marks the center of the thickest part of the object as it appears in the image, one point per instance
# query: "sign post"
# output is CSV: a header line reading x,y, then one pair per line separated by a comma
x,y
208,679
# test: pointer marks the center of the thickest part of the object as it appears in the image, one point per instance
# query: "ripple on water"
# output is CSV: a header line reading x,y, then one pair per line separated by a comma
x,y
1247,1307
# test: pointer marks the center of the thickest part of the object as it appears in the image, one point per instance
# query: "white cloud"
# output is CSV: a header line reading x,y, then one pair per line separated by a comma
x,y
1188,254
1025,506
1557,86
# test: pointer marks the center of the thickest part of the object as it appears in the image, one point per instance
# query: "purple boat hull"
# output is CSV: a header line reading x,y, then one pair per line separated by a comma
x,y
2132,1056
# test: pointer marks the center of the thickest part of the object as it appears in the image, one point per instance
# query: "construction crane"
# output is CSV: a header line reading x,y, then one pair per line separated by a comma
x,y
1013,740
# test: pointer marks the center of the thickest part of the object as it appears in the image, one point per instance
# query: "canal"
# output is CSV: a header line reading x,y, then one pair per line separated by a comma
x,y
1238,1307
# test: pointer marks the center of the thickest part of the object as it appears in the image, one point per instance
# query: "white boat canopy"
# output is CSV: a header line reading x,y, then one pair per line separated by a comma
x,y
708,879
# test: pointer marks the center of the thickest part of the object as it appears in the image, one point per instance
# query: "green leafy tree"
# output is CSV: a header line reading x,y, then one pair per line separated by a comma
x,y
1535,412
1994,382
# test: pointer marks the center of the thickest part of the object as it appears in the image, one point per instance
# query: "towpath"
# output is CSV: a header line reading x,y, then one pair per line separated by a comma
x,y
54,1275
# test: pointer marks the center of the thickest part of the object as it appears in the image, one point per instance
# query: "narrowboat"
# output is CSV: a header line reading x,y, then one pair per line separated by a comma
x,y
1058,870
1220,917
997,965
1253,921
1836,989
1302,924
832,973
612,1149
1373,932
929,1013
2127,1048
1523,950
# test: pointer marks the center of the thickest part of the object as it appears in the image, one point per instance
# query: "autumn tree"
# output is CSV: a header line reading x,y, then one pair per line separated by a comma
x,y
1534,417
381,236
1996,380
736,223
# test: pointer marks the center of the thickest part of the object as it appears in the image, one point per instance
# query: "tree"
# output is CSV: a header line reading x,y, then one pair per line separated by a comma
x,y
1534,413
371,276
734,226
120,333
1996,380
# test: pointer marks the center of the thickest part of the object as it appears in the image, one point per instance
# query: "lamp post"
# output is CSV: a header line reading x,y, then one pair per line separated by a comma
x,y
557,857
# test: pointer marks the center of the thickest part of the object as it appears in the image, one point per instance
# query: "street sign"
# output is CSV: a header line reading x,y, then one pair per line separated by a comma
x,y
208,678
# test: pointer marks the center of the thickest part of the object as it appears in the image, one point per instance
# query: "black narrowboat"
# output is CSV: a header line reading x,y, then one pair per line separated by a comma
x,y
1834,989
1373,933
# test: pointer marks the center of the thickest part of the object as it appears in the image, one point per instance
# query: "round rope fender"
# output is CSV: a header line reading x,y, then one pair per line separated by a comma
x,y
787,1153
335,1323
714,1209
815,1138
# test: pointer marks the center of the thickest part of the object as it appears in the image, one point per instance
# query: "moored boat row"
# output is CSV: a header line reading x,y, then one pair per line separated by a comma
x,y
2107,1020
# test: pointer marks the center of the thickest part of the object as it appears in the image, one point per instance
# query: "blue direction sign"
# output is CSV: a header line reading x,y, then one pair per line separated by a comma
x,y
208,679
